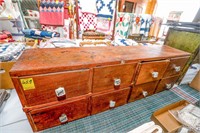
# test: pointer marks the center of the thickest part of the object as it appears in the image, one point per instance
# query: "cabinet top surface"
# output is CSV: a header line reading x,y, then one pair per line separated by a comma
x,y
41,61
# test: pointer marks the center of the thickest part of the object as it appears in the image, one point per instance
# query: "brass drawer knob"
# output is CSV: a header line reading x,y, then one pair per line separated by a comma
x,y
168,86
154,74
177,68
60,93
112,104
117,81
145,93
63,118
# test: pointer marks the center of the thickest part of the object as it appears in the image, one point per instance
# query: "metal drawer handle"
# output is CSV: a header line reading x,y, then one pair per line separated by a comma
x,y
60,91
168,86
145,93
154,74
112,104
63,118
177,68
117,82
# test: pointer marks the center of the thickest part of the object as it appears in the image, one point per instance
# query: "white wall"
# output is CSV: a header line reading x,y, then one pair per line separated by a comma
x,y
189,8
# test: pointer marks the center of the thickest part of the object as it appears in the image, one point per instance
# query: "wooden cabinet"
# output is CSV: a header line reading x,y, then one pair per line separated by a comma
x,y
166,84
109,100
176,65
143,90
60,113
113,77
151,71
56,86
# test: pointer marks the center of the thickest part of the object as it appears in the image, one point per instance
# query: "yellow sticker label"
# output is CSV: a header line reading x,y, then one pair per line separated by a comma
x,y
57,1
27,84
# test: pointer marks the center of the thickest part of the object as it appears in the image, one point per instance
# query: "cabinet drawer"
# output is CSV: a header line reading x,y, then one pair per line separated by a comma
x,y
151,71
105,77
143,90
102,102
56,86
55,115
176,65
166,83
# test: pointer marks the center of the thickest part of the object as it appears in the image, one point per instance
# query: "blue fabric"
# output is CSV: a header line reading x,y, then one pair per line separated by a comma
x,y
36,34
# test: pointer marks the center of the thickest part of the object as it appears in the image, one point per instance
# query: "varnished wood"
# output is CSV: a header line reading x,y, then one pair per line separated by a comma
x,y
179,61
40,61
49,117
101,102
76,83
162,85
137,90
103,78
147,68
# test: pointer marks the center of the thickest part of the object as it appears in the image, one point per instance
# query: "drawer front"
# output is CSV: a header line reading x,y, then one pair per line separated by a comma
x,y
176,65
59,114
143,90
57,86
166,83
110,100
113,77
151,71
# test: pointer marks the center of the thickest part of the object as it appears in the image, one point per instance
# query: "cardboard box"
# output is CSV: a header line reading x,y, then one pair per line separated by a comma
x,y
163,118
5,80
196,82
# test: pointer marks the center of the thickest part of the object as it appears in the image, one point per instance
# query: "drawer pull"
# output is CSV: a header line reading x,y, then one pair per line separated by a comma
x,y
145,93
60,93
112,104
117,82
154,74
2,71
168,86
177,68
63,118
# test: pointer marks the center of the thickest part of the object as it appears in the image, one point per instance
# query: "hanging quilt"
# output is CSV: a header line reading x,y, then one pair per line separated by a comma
x,y
122,24
105,8
89,7
146,22
87,21
103,25
155,27
52,12
136,24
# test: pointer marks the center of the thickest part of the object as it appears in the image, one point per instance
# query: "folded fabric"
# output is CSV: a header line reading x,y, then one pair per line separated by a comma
x,y
37,33
105,8
52,12
10,52
89,7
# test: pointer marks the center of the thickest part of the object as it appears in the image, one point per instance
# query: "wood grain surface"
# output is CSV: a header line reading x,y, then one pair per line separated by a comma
x,y
103,78
40,61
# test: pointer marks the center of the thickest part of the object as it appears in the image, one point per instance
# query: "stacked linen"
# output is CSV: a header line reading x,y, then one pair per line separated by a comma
x,y
58,43
9,52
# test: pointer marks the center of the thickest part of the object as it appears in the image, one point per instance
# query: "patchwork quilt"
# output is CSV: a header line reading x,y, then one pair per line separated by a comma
x,y
52,12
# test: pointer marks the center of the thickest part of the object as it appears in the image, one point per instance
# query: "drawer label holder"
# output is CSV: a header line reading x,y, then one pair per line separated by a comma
x,y
27,84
